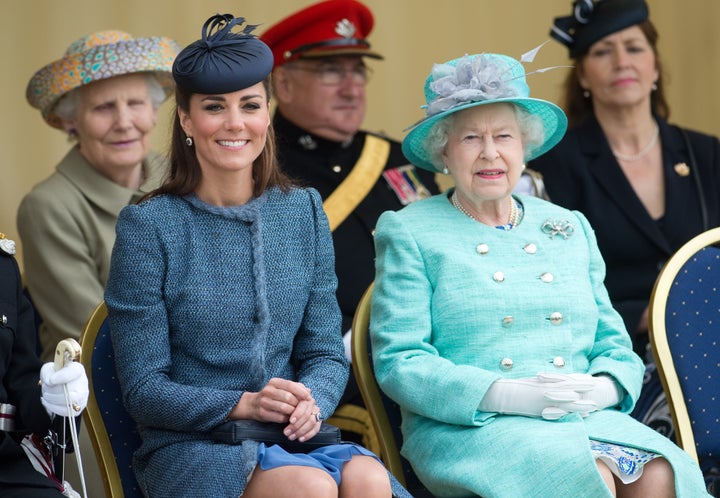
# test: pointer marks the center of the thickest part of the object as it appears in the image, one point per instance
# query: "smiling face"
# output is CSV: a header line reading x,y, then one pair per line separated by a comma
x,y
112,120
484,153
620,69
229,130
324,96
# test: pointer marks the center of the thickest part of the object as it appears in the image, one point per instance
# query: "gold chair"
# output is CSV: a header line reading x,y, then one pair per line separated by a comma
x,y
112,431
684,325
384,412
354,418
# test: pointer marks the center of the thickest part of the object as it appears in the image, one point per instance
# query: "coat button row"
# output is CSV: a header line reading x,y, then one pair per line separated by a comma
x,y
507,363
555,318
545,277
483,249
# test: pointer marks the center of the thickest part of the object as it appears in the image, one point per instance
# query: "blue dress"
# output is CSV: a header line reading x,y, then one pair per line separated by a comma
x,y
205,303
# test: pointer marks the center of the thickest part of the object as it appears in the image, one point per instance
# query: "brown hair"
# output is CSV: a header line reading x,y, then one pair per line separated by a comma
x,y
578,107
185,174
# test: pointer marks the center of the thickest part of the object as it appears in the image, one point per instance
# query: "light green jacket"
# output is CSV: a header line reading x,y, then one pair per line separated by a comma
x,y
67,228
458,305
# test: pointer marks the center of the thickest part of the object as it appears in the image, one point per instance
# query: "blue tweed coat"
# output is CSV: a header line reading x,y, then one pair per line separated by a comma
x,y
205,303
458,305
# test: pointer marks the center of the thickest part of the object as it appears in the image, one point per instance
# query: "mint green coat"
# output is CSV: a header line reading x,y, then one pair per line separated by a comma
x,y
458,305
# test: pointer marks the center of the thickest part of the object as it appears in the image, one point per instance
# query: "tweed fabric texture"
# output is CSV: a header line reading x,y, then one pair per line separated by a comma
x,y
205,303
458,305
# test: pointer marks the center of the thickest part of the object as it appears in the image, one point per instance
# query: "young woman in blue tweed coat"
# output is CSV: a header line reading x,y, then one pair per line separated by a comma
x,y
221,298
490,324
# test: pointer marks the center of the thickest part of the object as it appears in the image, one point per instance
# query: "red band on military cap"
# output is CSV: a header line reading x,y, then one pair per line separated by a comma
x,y
331,27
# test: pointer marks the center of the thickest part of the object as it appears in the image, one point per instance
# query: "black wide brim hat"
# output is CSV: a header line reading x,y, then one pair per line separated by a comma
x,y
593,20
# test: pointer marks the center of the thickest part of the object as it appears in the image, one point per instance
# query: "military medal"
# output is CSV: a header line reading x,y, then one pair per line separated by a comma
x,y
7,245
682,169
406,184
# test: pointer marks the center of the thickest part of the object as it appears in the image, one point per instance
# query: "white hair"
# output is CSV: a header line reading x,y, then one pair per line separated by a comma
x,y
67,105
530,124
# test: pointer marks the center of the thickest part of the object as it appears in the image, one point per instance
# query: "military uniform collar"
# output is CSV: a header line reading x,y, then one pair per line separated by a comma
x,y
294,135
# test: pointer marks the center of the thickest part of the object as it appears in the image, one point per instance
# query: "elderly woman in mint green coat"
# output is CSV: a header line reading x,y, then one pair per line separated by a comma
x,y
491,326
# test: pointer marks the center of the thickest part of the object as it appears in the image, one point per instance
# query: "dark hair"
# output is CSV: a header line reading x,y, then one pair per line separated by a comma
x,y
185,174
578,107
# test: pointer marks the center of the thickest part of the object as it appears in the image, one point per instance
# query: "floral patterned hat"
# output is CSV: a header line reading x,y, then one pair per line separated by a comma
x,y
475,80
98,56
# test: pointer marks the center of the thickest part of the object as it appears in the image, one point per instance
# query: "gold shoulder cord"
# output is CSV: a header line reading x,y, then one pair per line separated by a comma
x,y
358,183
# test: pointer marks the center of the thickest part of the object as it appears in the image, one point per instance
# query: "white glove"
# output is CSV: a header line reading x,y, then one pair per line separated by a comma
x,y
546,396
605,391
53,392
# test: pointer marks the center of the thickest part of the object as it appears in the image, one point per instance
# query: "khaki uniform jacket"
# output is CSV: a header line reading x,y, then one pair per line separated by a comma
x,y
67,227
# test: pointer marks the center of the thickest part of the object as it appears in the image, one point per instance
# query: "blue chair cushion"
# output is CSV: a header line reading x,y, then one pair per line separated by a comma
x,y
121,428
693,333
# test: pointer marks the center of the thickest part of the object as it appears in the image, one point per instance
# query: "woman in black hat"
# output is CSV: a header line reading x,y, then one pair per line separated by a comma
x,y
221,298
646,186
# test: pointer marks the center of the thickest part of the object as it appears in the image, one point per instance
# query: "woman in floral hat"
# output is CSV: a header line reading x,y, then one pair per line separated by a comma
x,y
491,326
104,93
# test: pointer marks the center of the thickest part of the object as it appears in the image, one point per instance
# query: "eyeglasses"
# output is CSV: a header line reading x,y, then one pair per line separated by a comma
x,y
333,74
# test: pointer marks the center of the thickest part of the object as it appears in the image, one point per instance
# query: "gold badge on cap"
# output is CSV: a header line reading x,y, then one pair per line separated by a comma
x,y
682,169
345,28
7,245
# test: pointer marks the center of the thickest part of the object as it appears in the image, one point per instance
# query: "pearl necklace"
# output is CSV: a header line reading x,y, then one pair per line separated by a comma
x,y
643,152
514,212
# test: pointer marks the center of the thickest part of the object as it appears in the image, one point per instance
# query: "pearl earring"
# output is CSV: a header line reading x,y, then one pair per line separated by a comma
x,y
586,94
189,141
445,171
654,86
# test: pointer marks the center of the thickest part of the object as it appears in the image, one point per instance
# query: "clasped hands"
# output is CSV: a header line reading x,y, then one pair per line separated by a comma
x,y
53,384
282,401
551,395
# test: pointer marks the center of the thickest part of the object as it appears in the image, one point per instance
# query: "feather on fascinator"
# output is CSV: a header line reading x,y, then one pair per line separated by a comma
x,y
474,80
223,61
592,20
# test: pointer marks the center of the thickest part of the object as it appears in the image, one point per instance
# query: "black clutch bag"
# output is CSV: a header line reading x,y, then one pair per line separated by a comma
x,y
237,431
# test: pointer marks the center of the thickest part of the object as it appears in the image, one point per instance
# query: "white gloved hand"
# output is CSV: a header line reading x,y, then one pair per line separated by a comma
x,y
53,392
606,392
550,397
601,389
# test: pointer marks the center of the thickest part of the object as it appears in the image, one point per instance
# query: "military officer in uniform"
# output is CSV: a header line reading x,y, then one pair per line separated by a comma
x,y
28,410
319,83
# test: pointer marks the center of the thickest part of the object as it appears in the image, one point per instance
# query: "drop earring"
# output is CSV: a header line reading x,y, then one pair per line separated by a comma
x,y
586,94
189,141
445,171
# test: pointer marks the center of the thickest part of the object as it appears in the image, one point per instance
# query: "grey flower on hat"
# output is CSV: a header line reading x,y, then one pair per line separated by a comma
x,y
472,80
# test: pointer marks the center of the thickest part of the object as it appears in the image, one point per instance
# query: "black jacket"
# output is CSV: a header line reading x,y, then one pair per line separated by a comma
x,y
20,372
310,160
581,173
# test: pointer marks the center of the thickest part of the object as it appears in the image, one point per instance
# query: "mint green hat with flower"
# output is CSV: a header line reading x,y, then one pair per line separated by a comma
x,y
474,80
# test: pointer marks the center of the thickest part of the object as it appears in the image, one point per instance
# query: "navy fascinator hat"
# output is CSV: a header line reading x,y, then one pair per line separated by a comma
x,y
223,61
592,20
